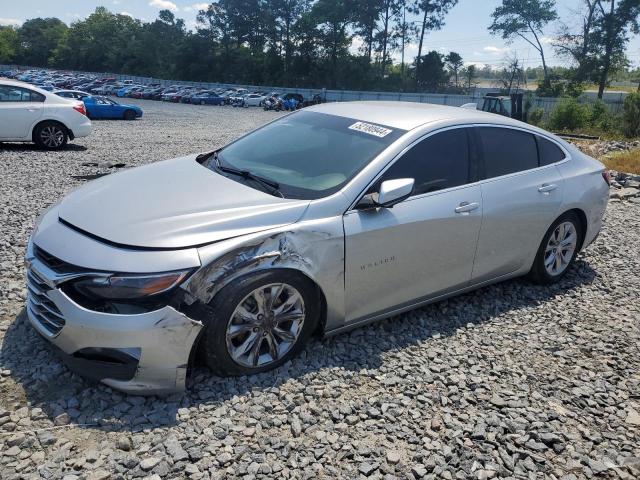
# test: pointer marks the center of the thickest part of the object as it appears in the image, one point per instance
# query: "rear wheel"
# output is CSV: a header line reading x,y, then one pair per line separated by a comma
x,y
129,115
558,249
259,322
202,102
50,135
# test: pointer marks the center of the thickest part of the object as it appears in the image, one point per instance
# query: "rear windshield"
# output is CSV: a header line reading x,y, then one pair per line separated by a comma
x,y
309,154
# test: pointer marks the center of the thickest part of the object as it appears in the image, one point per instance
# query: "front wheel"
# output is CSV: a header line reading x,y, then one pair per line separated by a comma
x,y
259,322
50,135
129,115
558,249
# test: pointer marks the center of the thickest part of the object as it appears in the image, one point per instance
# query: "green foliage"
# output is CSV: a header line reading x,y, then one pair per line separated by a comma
x,y
569,115
525,19
38,38
9,44
431,75
631,115
536,116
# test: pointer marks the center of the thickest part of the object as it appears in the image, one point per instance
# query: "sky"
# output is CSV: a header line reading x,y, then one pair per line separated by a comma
x,y
465,30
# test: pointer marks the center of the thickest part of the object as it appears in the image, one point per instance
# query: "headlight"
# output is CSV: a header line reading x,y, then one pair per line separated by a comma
x,y
124,287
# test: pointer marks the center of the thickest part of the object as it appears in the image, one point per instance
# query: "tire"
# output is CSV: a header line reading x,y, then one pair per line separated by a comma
x,y
226,331
129,115
558,250
50,135
202,102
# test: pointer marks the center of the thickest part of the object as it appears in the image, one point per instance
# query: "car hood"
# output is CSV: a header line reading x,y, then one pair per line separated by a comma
x,y
174,204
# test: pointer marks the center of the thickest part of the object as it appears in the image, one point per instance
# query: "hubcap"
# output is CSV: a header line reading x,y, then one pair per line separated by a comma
x,y
52,136
265,325
560,248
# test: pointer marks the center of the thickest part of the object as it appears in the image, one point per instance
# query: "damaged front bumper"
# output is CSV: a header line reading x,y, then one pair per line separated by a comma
x,y
145,353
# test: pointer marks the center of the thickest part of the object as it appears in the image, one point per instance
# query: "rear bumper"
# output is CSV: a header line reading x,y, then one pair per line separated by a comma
x,y
145,353
82,128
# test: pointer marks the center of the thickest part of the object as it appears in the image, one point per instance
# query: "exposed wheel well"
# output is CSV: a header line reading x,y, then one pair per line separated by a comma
x,y
35,127
583,224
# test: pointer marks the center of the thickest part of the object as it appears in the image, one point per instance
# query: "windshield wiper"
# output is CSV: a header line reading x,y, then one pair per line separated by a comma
x,y
273,186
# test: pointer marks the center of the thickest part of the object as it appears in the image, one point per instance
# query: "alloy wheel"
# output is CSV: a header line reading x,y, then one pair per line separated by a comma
x,y
265,325
560,248
52,136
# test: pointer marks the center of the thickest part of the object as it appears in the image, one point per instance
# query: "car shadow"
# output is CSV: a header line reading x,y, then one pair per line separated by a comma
x,y
39,378
31,147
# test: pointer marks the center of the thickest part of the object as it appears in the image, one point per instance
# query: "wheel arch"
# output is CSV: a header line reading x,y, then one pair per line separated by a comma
x,y
584,224
316,255
50,120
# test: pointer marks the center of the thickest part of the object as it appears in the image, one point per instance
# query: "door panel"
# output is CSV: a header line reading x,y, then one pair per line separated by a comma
x,y
17,118
418,248
517,211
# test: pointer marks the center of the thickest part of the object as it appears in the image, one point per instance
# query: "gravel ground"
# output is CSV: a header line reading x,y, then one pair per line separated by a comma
x,y
511,381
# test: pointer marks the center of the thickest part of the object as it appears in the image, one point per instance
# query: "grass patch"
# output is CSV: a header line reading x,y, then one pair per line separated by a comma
x,y
627,162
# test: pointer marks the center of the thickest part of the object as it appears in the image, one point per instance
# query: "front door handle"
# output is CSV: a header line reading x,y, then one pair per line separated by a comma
x,y
547,187
466,207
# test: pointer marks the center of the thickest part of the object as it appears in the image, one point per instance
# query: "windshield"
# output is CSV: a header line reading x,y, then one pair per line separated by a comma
x,y
309,155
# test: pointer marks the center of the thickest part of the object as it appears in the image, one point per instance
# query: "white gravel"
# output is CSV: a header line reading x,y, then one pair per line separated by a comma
x,y
511,381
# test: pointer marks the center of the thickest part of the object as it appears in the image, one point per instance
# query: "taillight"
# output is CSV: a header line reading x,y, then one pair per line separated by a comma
x,y
80,108
607,177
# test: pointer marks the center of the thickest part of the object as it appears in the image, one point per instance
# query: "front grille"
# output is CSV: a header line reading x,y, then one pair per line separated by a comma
x,y
40,305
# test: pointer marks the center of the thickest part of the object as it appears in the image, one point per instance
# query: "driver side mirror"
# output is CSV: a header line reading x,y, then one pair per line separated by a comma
x,y
391,193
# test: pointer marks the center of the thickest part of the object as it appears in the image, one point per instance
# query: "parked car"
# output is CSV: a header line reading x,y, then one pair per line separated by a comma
x,y
253,100
207,98
103,107
77,94
355,212
29,114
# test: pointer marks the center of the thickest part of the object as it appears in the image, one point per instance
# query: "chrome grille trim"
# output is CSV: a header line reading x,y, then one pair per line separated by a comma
x,y
41,308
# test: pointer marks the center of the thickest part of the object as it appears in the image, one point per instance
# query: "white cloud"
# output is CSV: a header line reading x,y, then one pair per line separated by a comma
x,y
196,7
73,15
10,21
496,50
547,40
164,5
127,14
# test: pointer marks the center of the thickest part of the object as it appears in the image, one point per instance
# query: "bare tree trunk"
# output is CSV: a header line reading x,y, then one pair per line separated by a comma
x,y
385,38
607,54
422,30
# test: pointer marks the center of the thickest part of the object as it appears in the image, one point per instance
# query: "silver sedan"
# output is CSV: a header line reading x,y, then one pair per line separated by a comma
x,y
321,221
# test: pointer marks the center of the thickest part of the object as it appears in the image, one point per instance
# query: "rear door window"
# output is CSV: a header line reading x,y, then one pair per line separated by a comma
x,y
549,152
506,151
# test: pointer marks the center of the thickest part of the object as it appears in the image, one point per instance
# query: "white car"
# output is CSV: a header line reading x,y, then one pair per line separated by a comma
x,y
254,100
30,114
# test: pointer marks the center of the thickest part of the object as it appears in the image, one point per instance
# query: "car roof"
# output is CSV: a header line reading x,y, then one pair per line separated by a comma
x,y
409,115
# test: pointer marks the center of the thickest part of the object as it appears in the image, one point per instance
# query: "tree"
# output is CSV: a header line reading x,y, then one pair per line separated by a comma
x,y
578,46
38,38
525,19
611,34
454,63
431,76
332,19
9,44
511,74
433,13
470,74
286,12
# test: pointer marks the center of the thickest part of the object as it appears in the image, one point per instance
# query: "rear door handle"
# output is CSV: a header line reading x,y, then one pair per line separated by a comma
x,y
466,207
547,187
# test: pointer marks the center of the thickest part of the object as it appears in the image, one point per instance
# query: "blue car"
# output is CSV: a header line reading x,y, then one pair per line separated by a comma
x,y
103,107
207,98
